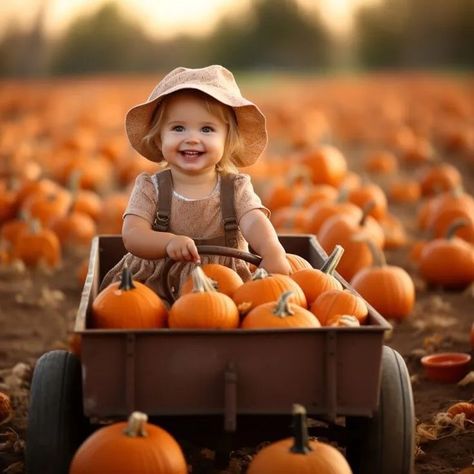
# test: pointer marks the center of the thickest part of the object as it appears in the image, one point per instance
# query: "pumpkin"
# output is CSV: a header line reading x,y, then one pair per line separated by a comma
x,y
343,321
340,229
449,261
439,177
224,279
394,232
320,212
373,194
48,207
280,314
36,245
297,263
313,282
327,165
128,447
264,288
128,304
204,307
462,407
404,191
74,229
336,302
388,288
299,454
6,411
381,162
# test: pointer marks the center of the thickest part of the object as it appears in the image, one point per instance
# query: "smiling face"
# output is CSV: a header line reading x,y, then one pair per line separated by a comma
x,y
192,137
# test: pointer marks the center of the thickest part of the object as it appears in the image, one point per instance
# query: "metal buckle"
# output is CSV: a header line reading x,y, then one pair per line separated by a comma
x,y
230,223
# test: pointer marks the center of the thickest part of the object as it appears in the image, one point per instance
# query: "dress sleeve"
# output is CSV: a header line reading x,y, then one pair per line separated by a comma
x,y
245,197
143,199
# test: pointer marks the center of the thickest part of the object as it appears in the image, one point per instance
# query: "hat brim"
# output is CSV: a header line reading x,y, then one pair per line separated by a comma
x,y
250,120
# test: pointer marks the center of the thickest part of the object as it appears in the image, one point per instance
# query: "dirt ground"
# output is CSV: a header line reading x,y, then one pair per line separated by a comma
x,y
37,311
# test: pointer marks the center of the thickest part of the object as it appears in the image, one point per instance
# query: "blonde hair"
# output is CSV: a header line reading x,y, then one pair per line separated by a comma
x,y
225,113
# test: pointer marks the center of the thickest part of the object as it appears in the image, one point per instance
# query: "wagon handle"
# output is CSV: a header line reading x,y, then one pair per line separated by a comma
x,y
205,250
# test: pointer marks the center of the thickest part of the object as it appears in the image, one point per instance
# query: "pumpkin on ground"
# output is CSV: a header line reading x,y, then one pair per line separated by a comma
x,y
448,262
36,244
204,307
6,410
388,288
264,288
128,304
280,314
298,454
125,448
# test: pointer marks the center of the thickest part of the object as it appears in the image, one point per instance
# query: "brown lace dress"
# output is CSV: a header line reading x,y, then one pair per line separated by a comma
x,y
195,218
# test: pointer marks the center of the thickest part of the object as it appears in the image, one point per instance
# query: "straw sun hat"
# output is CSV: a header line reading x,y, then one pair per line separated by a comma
x,y
216,81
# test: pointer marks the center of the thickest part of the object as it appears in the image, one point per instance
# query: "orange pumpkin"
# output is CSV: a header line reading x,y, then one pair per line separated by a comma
x,y
299,454
370,194
439,177
128,304
297,263
224,279
74,229
336,302
388,288
340,230
204,307
449,261
6,410
136,446
343,321
280,314
313,282
327,165
36,245
462,407
264,288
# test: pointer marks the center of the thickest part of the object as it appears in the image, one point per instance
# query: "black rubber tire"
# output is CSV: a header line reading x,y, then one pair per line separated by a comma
x,y
385,443
56,421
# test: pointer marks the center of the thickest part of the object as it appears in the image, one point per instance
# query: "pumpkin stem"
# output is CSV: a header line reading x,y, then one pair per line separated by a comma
x,y
366,211
136,425
74,185
377,253
282,308
34,226
126,282
333,260
454,226
201,283
300,431
259,274
343,194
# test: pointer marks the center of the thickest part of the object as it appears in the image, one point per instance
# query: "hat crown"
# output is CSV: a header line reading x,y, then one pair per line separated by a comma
x,y
215,76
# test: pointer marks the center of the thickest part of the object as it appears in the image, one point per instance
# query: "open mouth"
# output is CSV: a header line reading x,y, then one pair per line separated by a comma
x,y
191,154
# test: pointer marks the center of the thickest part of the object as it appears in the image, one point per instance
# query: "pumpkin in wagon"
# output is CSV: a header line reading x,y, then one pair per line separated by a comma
x,y
125,448
299,454
128,304
280,314
204,307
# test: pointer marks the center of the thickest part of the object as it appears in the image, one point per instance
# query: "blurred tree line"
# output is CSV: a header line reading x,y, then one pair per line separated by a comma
x,y
274,34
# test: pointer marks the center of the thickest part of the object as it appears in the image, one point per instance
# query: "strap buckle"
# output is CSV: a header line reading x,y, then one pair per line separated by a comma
x,y
230,223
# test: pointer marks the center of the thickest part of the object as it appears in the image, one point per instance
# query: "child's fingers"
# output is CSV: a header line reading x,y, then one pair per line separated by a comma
x,y
194,254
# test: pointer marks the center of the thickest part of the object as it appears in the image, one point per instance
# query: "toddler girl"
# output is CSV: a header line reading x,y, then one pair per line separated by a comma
x,y
198,124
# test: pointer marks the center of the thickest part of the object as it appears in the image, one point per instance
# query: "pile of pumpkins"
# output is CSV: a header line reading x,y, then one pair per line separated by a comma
x,y
139,446
215,297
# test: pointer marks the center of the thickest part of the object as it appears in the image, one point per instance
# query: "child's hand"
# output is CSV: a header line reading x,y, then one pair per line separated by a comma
x,y
276,264
183,248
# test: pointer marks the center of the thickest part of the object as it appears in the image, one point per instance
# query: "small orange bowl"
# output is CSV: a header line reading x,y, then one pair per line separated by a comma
x,y
449,367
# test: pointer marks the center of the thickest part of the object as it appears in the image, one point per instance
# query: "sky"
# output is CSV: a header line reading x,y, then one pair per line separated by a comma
x,y
164,18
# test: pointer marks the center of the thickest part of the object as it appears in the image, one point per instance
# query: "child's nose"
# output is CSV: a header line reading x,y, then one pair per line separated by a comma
x,y
192,137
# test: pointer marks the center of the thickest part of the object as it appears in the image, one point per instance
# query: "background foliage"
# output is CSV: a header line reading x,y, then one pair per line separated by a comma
x,y
274,34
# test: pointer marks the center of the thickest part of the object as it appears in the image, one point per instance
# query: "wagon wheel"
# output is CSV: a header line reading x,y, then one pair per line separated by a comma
x,y
56,422
385,443
205,250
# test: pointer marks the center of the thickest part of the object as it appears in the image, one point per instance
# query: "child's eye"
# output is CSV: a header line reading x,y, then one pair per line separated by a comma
x,y
178,128
207,129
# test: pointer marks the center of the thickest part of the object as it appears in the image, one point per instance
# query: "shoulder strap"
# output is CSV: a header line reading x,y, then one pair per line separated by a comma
x,y
228,210
163,210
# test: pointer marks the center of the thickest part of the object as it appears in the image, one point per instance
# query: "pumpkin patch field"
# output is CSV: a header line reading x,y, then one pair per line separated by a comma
x,y
380,168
